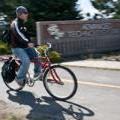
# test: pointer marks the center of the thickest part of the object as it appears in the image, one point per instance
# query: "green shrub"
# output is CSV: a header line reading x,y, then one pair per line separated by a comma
x,y
4,49
53,55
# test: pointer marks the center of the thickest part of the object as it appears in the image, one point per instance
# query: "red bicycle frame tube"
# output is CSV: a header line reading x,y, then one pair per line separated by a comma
x,y
47,64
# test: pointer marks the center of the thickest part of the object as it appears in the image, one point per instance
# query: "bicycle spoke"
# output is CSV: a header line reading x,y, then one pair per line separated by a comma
x,y
60,82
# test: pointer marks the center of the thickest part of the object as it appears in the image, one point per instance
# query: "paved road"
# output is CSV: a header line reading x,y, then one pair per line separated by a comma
x,y
97,98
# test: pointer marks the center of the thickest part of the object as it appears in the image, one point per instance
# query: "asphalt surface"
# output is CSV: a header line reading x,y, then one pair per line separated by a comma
x,y
97,98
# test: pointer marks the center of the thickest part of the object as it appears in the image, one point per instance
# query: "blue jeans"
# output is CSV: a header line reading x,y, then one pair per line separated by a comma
x,y
25,55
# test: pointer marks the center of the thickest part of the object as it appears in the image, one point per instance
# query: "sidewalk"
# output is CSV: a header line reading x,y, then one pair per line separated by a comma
x,y
98,64
89,63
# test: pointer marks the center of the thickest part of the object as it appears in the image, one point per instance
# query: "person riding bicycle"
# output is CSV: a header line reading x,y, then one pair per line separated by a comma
x,y
21,45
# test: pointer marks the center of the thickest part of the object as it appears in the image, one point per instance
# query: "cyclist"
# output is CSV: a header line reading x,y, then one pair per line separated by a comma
x,y
21,45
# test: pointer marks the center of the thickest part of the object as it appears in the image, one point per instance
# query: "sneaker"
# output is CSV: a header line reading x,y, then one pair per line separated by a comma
x,y
20,82
38,76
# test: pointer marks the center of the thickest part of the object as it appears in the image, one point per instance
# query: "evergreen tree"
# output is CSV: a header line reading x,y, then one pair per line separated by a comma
x,y
105,6
117,10
43,10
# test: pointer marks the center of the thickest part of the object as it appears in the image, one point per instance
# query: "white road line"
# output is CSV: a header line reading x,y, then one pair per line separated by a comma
x,y
96,84
99,84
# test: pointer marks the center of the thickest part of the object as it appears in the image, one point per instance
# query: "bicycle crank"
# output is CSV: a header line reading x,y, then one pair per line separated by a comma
x,y
30,82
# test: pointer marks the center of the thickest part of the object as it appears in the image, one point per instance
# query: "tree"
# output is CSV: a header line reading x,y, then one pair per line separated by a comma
x,y
8,7
54,9
105,6
51,10
117,10
43,10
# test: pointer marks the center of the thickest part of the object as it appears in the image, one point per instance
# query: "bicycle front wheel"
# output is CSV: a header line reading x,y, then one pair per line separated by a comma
x,y
60,82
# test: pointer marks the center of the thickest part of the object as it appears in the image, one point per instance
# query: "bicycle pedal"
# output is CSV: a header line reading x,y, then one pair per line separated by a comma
x,y
57,82
30,83
61,83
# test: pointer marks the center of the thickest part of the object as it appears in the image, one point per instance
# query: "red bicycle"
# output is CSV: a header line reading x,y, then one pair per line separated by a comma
x,y
59,81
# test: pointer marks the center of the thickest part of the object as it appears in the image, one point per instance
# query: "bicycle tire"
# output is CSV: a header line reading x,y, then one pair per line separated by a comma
x,y
13,89
52,94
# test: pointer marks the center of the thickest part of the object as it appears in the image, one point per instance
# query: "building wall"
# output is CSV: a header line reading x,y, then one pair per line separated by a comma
x,y
77,37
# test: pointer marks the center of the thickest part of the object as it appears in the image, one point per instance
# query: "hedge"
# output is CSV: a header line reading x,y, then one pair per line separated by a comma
x,y
53,55
4,49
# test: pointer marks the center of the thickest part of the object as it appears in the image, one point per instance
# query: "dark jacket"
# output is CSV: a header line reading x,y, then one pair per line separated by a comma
x,y
19,34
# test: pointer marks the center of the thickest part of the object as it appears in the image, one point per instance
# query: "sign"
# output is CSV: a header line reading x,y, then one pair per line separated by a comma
x,y
77,37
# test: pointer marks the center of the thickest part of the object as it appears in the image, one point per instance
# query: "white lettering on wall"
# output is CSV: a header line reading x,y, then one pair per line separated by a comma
x,y
54,30
96,26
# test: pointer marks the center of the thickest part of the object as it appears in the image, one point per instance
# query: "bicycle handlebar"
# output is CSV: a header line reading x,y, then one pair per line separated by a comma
x,y
49,45
47,49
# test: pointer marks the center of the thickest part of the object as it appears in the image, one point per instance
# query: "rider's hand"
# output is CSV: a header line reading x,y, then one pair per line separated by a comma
x,y
30,45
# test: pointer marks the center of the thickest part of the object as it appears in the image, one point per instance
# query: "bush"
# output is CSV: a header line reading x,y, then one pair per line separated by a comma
x,y
53,55
4,49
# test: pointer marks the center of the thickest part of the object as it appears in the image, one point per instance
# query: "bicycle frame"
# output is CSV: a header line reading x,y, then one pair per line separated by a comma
x,y
51,76
46,64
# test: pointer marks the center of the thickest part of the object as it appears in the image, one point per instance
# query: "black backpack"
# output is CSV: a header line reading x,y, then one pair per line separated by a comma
x,y
8,70
6,36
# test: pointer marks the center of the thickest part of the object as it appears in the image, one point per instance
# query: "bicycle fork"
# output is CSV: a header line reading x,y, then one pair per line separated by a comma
x,y
55,77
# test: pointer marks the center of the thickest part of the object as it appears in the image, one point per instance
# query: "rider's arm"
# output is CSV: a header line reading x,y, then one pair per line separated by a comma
x,y
21,34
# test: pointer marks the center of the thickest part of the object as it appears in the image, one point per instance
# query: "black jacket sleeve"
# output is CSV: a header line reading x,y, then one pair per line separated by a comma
x,y
21,33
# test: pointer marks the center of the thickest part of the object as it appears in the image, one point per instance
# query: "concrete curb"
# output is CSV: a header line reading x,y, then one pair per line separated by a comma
x,y
96,64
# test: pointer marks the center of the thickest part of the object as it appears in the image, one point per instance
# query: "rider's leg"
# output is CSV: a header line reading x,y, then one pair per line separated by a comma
x,y
22,55
32,53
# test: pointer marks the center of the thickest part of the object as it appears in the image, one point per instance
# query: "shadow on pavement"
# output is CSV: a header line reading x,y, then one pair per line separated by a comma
x,y
46,108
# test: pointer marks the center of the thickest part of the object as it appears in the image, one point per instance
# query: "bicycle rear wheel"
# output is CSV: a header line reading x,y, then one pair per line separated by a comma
x,y
60,82
14,85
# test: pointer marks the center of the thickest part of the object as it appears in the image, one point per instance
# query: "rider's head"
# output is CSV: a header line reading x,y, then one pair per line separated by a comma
x,y
22,13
